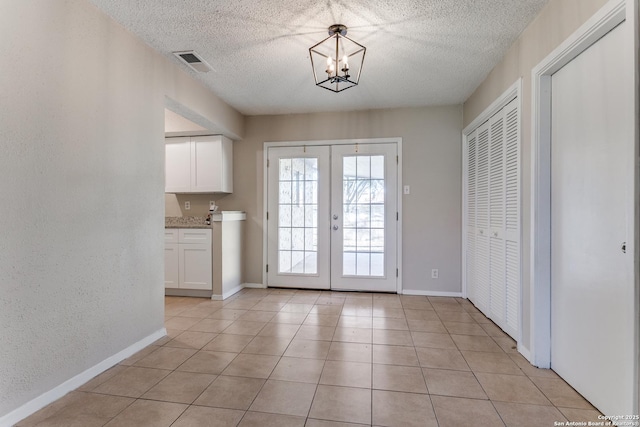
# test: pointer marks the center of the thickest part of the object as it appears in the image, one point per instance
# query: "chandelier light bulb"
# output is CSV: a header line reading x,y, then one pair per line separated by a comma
x,y
344,62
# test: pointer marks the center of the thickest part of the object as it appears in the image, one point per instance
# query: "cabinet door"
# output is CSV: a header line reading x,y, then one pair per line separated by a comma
x,y
171,262
212,161
195,266
177,165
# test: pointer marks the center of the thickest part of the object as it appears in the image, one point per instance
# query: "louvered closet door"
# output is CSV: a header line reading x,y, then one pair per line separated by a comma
x,y
482,268
492,247
470,254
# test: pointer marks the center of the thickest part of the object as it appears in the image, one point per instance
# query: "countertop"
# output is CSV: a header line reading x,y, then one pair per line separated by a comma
x,y
201,221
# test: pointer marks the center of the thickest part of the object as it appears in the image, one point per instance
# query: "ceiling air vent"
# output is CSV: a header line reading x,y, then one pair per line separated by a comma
x,y
193,60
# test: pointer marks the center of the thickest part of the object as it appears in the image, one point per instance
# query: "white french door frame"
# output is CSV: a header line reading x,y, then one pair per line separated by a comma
x,y
265,152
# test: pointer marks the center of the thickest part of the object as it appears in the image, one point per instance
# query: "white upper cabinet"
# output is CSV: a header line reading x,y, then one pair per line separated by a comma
x,y
199,164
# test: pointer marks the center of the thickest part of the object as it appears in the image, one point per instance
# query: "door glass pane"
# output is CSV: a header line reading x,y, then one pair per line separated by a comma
x,y
363,198
298,215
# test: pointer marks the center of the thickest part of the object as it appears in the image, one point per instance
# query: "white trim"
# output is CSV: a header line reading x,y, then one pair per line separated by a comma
x,y
254,285
524,352
227,294
431,293
73,383
607,18
265,154
514,91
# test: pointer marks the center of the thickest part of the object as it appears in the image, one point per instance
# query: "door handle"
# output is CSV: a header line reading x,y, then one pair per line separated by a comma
x,y
623,248
335,227
335,216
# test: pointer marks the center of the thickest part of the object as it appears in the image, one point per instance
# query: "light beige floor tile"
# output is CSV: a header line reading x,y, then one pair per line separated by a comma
x,y
296,308
419,325
197,416
321,320
440,308
346,404
464,328
181,323
257,316
228,343
321,333
581,415
242,304
267,345
398,378
392,337
522,415
351,352
395,355
492,330
308,349
244,327
283,397
191,339
273,306
211,325
180,387
148,413
455,412
560,393
322,423
283,330
228,314
260,419
231,392
166,358
350,309
129,361
252,365
497,363
455,316
132,382
511,388
529,369
439,358
416,303
333,309
348,374
476,343
445,382
291,318
433,340
421,315
200,312
388,312
356,335
208,362
390,323
479,317
507,344
402,409
96,381
298,370
365,322
83,409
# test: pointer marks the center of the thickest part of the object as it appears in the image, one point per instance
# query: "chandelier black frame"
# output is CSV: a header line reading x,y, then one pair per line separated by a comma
x,y
336,76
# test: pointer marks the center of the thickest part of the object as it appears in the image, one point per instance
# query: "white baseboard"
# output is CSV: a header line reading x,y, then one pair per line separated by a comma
x,y
431,293
255,285
524,352
227,294
56,393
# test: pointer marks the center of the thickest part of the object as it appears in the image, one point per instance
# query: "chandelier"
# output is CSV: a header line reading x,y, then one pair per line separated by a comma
x,y
337,60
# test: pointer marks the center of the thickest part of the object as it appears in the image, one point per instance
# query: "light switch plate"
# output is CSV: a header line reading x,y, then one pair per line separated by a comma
x,y
407,189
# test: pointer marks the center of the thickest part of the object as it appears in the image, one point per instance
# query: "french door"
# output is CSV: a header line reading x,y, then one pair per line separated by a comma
x,y
332,217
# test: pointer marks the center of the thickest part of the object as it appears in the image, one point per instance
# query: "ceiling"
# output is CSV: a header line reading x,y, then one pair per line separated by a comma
x,y
419,52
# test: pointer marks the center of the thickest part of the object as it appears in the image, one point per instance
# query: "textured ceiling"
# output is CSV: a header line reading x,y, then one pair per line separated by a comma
x,y
419,52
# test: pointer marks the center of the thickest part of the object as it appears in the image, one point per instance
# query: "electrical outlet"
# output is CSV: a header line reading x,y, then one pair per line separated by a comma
x,y
187,205
212,204
434,273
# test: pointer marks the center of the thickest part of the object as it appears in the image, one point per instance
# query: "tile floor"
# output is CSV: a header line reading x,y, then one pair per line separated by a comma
x,y
270,357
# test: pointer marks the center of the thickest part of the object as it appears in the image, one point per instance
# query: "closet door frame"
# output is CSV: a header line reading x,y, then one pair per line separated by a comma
x,y
513,92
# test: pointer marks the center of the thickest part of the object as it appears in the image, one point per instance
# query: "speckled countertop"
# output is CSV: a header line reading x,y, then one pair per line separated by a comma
x,y
186,222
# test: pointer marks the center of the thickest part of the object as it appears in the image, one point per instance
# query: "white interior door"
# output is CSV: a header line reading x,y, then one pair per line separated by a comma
x,y
364,217
332,224
592,288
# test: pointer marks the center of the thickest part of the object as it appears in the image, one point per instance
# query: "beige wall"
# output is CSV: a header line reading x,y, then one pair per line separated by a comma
x,y
558,20
432,166
82,184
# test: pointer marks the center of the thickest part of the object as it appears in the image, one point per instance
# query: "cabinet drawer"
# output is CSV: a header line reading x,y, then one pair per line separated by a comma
x,y
194,235
171,235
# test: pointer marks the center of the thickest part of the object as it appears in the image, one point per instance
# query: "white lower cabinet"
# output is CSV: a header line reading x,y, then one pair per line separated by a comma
x,y
187,260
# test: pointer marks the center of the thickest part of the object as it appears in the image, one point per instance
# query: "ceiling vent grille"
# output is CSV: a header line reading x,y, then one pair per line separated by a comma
x,y
193,61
